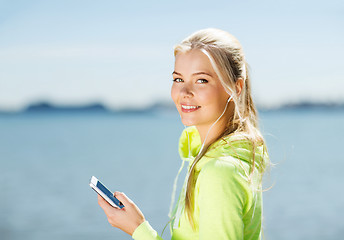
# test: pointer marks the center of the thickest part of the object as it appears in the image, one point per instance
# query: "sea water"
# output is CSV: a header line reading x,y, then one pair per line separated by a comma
x,y
46,161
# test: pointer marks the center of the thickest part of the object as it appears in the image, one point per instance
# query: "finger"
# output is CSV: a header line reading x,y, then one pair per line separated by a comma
x,y
103,204
123,198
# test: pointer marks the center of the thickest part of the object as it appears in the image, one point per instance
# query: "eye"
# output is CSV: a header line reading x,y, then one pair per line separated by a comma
x,y
177,80
202,81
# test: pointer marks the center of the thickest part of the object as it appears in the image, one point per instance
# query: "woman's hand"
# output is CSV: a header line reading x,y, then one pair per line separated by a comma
x,y
128,218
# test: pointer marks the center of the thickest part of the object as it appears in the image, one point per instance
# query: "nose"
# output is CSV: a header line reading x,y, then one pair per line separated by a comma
x,y
187,90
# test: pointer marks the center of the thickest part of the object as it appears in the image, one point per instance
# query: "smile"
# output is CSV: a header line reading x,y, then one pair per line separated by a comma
x,y
189,108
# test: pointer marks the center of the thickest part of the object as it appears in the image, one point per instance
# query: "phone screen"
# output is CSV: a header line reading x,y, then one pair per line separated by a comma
x,y
109,194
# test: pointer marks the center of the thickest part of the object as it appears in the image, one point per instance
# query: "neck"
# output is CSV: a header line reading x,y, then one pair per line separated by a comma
x,y
213,134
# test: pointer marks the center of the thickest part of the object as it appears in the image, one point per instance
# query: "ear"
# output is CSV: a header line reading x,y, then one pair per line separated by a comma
x,y
239,85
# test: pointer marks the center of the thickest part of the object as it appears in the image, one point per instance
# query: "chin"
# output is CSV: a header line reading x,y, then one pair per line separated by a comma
x,y
188,119
188,122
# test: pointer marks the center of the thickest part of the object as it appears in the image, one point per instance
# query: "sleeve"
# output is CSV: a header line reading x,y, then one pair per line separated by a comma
x,y
222,198
145,232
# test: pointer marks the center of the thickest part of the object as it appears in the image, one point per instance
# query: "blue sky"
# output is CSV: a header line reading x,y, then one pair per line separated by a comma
x,y
120,52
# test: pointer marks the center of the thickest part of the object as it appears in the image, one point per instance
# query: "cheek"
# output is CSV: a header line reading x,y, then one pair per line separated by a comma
x,y
214,99
208,96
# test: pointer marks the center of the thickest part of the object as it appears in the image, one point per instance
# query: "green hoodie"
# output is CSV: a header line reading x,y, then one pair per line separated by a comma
x,y
227,197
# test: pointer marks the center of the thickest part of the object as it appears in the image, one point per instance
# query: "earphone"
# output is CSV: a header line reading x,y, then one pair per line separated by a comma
x,y
229,99
177,213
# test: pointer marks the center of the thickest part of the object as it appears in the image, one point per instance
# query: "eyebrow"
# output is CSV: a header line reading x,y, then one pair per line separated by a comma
x,y
194,74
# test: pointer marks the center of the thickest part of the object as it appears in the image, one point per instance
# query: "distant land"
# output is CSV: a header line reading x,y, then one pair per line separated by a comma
x,y
305,105
46,107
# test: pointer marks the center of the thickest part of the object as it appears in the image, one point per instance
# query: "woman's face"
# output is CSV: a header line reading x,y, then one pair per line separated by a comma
x,y
197,91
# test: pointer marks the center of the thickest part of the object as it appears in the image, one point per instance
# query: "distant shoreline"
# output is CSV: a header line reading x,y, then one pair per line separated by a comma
x,y
45,107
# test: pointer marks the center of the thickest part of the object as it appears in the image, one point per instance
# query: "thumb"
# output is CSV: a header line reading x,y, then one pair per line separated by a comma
x,y
123,198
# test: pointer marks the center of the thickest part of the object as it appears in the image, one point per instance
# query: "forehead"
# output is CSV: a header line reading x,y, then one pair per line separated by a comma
x,y
193,61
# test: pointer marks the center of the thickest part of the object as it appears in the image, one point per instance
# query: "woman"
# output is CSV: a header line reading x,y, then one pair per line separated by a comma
x,y
221,197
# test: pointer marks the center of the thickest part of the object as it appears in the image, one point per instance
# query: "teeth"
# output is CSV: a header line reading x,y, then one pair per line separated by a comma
x,y
189,107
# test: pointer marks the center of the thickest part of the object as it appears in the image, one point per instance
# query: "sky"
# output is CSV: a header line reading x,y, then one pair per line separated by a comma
x,y
120,53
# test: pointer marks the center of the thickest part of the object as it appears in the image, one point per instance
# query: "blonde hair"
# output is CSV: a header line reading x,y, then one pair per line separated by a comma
x,y
227,58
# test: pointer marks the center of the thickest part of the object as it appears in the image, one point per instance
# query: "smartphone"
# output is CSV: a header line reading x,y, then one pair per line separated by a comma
x,y
105,193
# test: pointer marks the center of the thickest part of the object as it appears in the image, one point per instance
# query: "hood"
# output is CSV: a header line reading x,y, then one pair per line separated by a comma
x,y
189,144
235,145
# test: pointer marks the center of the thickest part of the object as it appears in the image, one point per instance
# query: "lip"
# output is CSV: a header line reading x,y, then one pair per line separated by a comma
x,y
186,108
